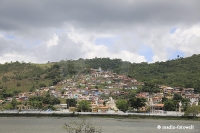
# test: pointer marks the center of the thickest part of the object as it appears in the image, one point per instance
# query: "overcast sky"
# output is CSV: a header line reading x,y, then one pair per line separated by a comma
x,y
133,30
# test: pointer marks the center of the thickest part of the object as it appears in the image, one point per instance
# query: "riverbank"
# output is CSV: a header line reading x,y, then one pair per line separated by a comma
x,y
116,116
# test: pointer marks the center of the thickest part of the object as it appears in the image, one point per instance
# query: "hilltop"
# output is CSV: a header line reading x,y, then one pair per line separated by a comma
x,y
181,72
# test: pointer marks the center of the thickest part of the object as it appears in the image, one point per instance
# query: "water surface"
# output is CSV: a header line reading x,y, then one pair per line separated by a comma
x,y
109,125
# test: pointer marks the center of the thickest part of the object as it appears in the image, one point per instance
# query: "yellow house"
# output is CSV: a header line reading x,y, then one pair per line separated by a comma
x,y
72,109
21,107
103,109
94,108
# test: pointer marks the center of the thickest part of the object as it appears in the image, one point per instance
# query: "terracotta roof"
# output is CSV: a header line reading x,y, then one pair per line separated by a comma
x,y
103,107
159,105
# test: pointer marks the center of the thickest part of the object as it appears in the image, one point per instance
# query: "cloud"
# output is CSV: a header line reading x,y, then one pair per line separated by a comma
x,y
89,14
53,41
184,39
187,40
49,30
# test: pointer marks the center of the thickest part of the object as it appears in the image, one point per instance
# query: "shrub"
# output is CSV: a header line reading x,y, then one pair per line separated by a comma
x,y
82,127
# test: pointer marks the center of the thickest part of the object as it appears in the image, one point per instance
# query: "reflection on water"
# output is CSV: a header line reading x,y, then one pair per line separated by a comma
x,y
109,125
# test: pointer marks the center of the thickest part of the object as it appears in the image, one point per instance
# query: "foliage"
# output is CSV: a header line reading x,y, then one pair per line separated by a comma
x,y
51,100
164,99
36,102
185,103
14,103
150,87
39,102
193,110
169,105
82,127
8,106
177,97
176,72
42,85
4,93
49,107
137,102
122,105
83,105
18,84
71,102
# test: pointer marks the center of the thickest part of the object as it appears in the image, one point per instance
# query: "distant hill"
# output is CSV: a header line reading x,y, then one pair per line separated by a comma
x,y
182,72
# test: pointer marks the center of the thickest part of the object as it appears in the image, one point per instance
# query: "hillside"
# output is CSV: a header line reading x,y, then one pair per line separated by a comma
x,y
182,72
22,76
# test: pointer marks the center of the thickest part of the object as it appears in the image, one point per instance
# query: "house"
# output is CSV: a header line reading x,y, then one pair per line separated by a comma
x,y
22,94
133,80
157,108
1,101
194,99
63,106
76,96
177,92
72,109
106,92
21,99
188,90
23,107
8,99
168,90
157,100
138,83
143,95
46,89
159,94
111,104
103,109
94,106
142,109
100,102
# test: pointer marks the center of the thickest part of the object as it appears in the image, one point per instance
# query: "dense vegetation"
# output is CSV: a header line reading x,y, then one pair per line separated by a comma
x,y
182,72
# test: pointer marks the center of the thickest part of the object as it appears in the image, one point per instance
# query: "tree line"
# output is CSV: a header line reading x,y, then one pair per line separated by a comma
x,y
181,72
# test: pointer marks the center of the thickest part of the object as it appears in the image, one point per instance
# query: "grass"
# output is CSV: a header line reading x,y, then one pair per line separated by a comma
x,y
44,66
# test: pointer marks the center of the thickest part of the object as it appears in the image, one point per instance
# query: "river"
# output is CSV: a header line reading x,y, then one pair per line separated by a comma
x,y
108,125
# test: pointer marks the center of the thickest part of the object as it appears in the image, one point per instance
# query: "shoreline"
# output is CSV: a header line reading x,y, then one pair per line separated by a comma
x,y
116,116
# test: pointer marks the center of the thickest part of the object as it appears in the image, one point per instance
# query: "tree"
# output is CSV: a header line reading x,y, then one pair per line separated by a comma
x,y
83,106
185,103
137,102
169,105
122,105
42,85
14,103
177,97
164,99
71,102
193,110
82,127
8,106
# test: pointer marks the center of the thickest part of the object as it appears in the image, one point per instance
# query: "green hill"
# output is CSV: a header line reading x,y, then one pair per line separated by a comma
x,y
182,72
22,76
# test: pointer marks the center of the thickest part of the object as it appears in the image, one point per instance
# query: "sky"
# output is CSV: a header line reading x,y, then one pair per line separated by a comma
x,y
133,30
